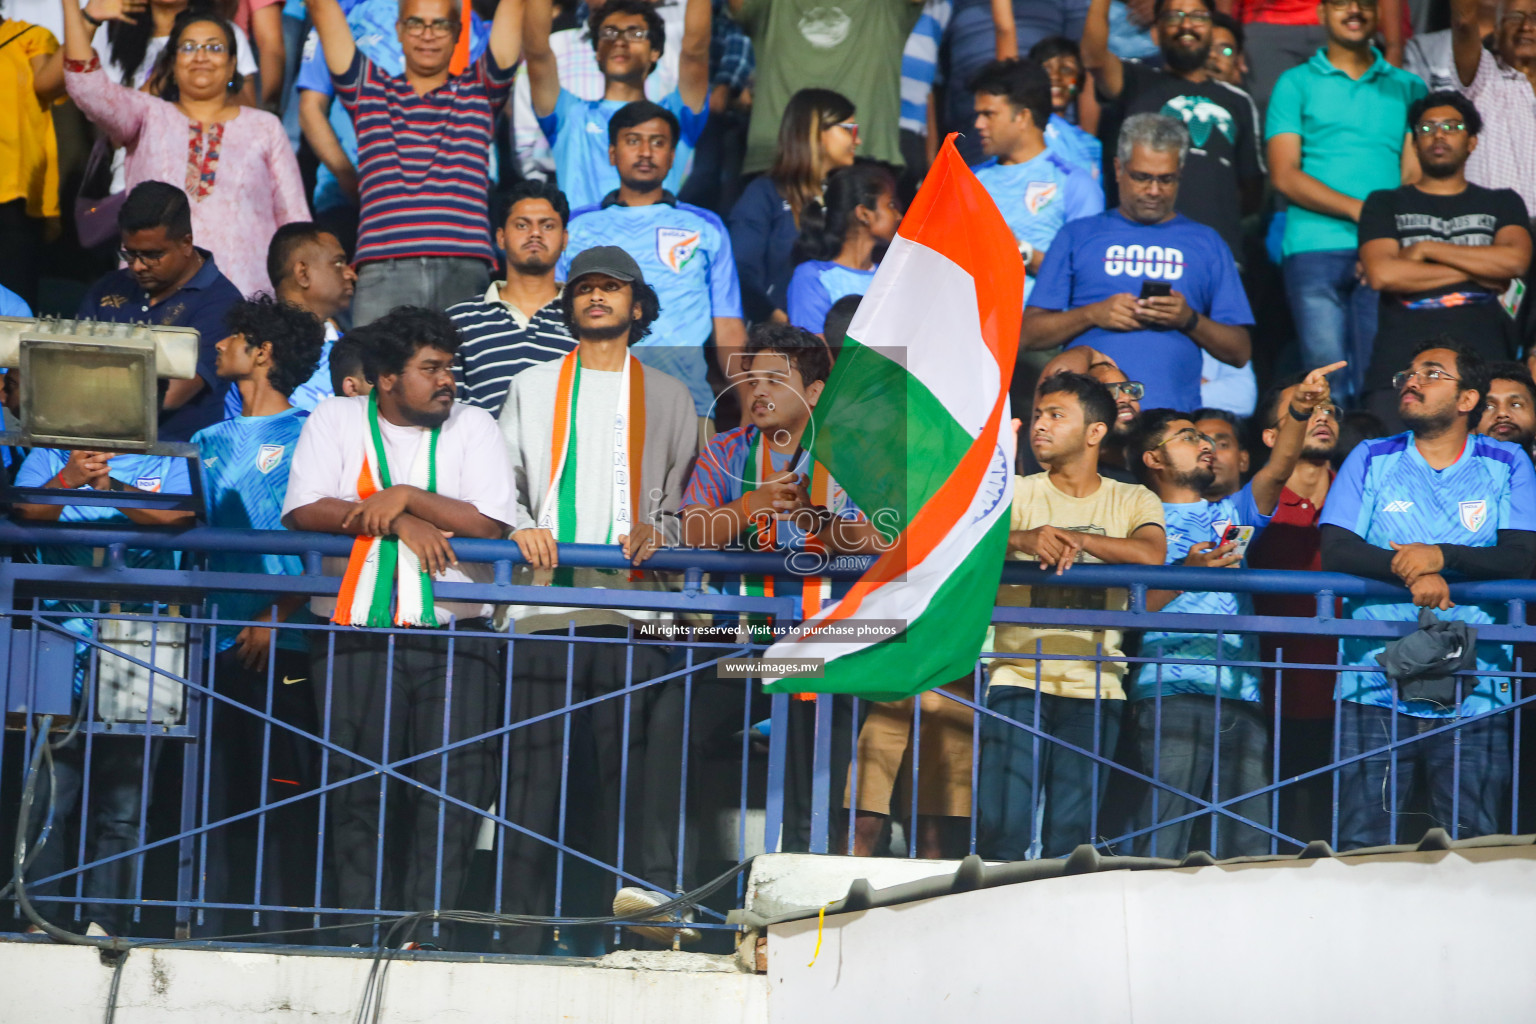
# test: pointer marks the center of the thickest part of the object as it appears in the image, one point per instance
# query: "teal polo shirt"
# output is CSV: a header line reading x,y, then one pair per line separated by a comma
x,y
1352,132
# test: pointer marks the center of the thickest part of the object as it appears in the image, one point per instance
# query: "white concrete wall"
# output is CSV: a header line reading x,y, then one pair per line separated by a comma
x,y
41,983
1402,938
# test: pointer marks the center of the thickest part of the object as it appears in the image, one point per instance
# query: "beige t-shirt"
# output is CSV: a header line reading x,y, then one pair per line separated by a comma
x,y
1114,510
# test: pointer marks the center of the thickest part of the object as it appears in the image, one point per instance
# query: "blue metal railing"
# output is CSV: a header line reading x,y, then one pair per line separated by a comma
x,y
791,784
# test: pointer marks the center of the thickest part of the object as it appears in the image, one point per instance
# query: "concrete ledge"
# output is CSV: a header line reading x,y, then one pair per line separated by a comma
x,y
48,982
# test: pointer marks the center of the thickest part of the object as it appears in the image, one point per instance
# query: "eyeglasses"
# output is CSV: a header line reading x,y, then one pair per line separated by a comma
x,y
851,127
149,258
1175,18
1128,388
635,33
212,49
1427,128
1225,51
1515,19
1343,5
1403,378
1143,178
1188,435
435,27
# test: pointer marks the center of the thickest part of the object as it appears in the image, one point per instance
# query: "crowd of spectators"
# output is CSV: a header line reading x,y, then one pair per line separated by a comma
x,y
579,273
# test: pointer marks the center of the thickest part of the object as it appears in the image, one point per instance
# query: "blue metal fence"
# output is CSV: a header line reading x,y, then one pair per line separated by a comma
x,y
655,769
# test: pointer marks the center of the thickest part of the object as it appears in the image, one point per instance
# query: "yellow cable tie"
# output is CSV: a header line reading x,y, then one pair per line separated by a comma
x,y
821,921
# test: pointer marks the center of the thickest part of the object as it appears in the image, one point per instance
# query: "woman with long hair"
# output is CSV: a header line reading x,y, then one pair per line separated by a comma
x,y
817,136
842,239
233,161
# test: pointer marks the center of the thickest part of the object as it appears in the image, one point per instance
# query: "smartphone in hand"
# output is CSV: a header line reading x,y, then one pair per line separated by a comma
x,y
1156,289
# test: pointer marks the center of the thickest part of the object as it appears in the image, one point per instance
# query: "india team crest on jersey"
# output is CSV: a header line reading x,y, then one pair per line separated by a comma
x,y
676,246
269,456
148,483
1038,195
1474,514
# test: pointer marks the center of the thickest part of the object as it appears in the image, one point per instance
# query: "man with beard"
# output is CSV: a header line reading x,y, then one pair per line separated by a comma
x,y
684,252
1336,133
1407,509
1225,174
1441,251
1064,515
518,322
1173,709
1126,393
402,470
1231,454
601,447
1142,284
1293,541
1509,414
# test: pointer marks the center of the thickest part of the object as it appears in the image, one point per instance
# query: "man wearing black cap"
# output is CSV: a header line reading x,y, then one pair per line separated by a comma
x,y
685,251
601,448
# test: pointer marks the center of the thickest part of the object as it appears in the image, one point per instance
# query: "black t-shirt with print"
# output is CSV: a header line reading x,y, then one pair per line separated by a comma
x,y
1466,311
1224,143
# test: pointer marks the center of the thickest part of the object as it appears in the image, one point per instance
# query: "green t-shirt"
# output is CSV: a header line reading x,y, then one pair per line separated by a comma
x,y
1352,132
852,46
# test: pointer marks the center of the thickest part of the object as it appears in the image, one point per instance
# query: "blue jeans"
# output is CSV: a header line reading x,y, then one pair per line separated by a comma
x,y
111,824
1335,316
1372,812
1180,730
1013,761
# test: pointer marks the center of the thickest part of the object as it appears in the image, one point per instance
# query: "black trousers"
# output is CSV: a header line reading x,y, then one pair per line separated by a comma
x,y
603,752
21,238
253,761
387,707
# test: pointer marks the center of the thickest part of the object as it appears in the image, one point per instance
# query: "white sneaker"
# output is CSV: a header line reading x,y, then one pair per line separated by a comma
x,y
632,901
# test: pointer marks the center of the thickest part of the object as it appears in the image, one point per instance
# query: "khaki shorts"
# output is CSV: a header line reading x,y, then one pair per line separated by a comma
x,y
944,757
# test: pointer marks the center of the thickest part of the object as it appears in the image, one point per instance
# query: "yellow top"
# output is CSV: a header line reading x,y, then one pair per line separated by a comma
x,y
1114,510
29,153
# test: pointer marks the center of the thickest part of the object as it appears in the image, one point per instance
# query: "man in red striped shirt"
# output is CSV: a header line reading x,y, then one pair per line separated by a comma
x,y
423,142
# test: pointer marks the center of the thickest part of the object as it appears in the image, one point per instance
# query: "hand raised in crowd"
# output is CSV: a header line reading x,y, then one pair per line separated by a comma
x,y
1414,561
1431,591
375,515
538,547
1170,311
1116,313
126,11
427,542
1052,546
640,543
1206,555
86,467
1314,389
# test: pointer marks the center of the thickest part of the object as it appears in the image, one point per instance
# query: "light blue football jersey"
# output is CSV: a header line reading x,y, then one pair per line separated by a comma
x,y
245,474
578,137
1038,196
1190,524
685,254
1386,492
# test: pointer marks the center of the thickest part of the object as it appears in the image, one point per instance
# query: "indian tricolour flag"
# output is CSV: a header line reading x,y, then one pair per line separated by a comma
x,y
914,425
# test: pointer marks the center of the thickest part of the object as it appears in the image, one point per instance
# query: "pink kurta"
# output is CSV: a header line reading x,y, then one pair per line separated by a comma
x,y
240,175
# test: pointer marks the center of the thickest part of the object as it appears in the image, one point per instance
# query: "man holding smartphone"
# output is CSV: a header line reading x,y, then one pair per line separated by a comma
x,y
1174,714
1145,285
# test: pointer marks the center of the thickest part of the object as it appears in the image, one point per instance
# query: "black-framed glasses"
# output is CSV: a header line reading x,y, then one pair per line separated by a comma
x,y
1427,128
634,33
212,48
1129,388
1175,18
435,27
1515,19
1189,435
148,257
1224,51
1403,378
1143,178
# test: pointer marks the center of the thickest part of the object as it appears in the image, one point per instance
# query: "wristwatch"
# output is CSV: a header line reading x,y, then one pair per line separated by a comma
x,y
114,484
1191,323
1027,251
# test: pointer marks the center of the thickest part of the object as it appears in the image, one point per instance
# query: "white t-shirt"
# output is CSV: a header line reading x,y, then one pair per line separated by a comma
x,y
472,465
